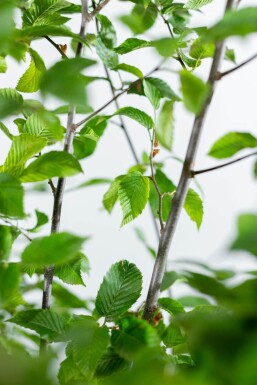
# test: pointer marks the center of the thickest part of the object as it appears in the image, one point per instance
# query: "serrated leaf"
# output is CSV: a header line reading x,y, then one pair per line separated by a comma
x,y
231,143
199,50
108,56
42,219
194,207
152,93
246,237
53,249
11,102
134,334
164,88
165,125
110,363
239,22
141,19
196,4
50,165
11,196
65,81
133,195
38,31
129,68
139,116
71,272
195,92
30,80
46,323
24,147
132,44
170,305
173,336
120,289
44,12
111,195
107,32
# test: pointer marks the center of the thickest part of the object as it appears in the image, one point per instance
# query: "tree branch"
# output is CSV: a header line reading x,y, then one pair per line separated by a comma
x,y
220,75
56,46
98,8
203,171
183,185
59,192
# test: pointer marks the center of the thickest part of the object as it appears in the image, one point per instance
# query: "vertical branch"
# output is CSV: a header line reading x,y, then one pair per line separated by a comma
x,y
59,192
183,185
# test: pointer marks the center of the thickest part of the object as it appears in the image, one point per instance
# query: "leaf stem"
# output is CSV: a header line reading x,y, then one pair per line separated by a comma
x,y
203,171
183,185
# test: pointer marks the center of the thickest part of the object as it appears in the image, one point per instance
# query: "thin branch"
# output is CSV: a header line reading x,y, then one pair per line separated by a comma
x,y
113,99
52,186
220,75
182,189
56,46
203,171
59,192
98,8
5,220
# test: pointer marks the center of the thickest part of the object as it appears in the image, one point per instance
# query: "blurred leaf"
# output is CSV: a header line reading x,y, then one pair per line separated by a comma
x,y
165,125
166,46
141,18
199,50
3,65
231,143
50,165
172,306
134,334
65,81
11,196
173,336
111,195
30,80
7,236
133,195
110,363
194,207
71,272
169,278
119,290
193,301
195,92
129,68
42,219
152,93
10,102
132,44
10,296
246,237
107,32
230,55
52,249
196,4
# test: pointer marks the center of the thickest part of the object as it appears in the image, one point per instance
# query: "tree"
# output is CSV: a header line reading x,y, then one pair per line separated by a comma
x,y
192,339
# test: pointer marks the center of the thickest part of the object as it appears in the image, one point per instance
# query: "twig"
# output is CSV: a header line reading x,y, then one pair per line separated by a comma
x,y
56,46
183,185
203,171
59,192
113,99
98,8
53,188
5,220
220,75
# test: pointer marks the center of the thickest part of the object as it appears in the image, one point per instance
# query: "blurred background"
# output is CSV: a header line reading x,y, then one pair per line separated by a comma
x,y
226,192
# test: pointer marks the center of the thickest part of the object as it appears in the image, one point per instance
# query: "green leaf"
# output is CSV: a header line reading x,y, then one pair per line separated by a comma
x,y
71,272
94,182
63,298
11,196
120,289
30,80
7,24
107,32
194,207
38,31
5,130
111,195
24,147
173,336
152,93
246,234
195,92
108,56
68,372
134,334
133,195
10,296
42,219
7,236
132,44
128,68
139,116
65,81
10,102
50,165
46,323
53,249
164,88
169,278
200,50
141,18
3,65
172,306
110,363
89,343
44,12
165,186
196,4
165,125
193,301
166,46
239,22
231,143
230,55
